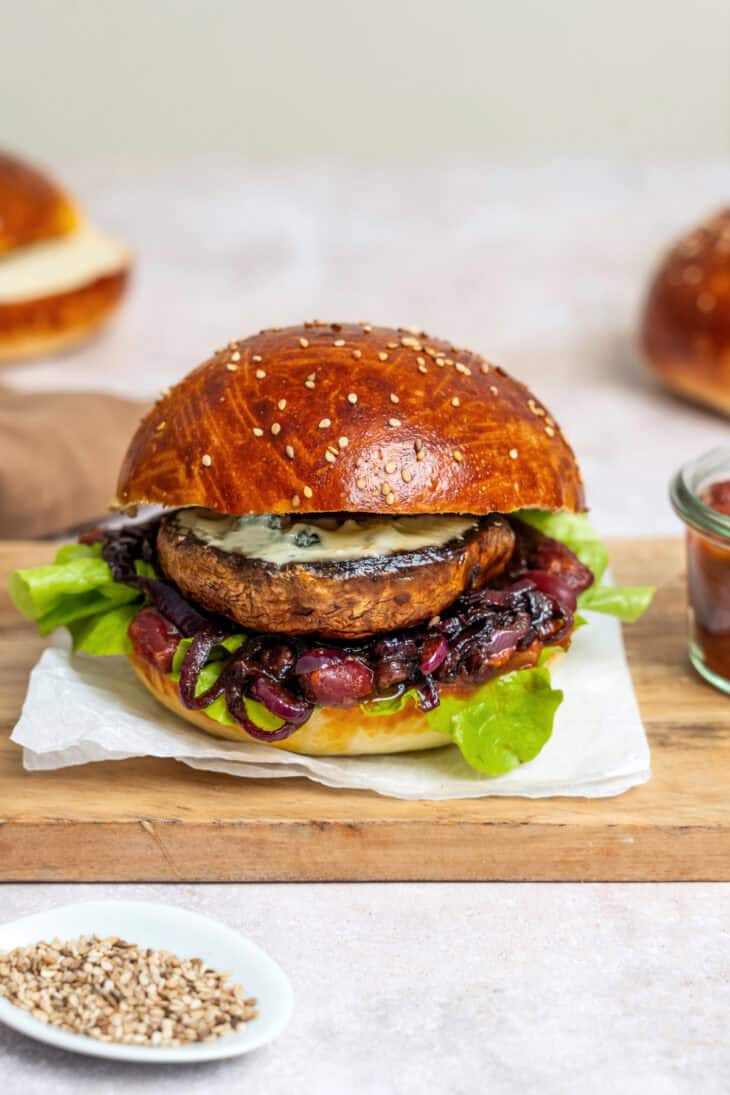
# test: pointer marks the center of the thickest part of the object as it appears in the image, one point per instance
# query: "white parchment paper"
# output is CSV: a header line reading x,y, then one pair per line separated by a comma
x,y
81,709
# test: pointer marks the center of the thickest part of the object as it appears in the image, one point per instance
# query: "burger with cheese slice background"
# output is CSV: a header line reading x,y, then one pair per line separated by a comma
x,y
61,278
366,540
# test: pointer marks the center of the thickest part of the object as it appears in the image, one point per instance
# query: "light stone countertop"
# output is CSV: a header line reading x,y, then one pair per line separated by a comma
x,y
458,989
427,987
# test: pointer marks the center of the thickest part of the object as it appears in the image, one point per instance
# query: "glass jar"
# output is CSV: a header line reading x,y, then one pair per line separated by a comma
x,y
700,495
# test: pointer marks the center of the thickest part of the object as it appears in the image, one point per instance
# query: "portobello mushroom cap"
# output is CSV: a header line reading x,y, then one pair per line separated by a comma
x,y
336,599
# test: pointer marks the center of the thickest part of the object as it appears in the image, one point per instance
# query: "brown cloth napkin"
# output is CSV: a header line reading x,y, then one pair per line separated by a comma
x,y
59,457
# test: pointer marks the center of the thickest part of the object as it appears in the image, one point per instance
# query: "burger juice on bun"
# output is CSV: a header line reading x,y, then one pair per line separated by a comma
x,y
369,541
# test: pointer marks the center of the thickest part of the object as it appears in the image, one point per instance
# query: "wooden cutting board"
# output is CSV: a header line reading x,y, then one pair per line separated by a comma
x,y
159,820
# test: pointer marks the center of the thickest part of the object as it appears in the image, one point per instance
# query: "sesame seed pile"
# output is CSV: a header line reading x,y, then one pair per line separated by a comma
x,y
115,991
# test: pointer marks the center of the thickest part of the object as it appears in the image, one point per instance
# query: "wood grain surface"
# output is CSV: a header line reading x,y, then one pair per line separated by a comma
x,y
159,820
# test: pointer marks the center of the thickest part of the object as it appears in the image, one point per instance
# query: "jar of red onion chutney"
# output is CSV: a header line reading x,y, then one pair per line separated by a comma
x,y
700,494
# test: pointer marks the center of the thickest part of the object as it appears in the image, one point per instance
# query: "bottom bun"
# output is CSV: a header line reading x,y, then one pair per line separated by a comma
x,y
331,731
47,325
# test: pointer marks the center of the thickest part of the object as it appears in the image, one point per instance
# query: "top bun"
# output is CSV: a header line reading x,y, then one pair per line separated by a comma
x,y
33,207
685,327
349,417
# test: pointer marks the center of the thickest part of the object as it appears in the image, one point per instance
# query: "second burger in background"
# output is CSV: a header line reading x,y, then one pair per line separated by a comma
x,y
60,277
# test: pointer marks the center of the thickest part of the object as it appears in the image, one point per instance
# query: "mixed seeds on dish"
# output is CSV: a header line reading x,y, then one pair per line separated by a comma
x,y
115,991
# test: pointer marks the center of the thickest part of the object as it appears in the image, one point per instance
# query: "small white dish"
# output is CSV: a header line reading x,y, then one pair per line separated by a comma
x,y
163,927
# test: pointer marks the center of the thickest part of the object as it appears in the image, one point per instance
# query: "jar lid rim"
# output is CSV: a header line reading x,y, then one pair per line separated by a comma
x,y
684,496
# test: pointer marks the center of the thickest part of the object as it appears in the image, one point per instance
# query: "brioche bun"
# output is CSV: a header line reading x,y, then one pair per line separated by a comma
x,y
348,417
685,325
60,279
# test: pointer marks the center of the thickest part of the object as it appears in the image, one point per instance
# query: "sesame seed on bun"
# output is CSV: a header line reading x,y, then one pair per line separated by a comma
x,y
349,418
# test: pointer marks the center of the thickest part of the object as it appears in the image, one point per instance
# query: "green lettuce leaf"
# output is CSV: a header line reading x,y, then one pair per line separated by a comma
x,y
68,552
500,725
104,634
504,723
38,590
78,591
574,530
626,602
80,606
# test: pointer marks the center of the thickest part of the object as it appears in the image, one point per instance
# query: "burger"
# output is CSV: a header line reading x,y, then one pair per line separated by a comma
x,y
365,540
61,278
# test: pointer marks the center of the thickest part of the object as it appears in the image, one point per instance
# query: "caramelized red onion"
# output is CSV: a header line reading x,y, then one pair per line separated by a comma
x,y
237,680
318,658
234,680
428,694
279,701
195,659
173,606
533,603
122,548
433,654
555,586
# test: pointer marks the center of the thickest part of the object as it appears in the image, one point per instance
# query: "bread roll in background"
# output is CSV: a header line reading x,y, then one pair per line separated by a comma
x,y
685,325
61,279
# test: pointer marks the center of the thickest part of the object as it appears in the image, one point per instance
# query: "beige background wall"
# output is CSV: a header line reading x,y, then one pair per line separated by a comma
x,y
411,79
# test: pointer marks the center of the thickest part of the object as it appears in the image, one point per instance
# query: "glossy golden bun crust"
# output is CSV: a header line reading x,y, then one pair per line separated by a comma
x,y
48,325
349,417
685,327
32,206
330,731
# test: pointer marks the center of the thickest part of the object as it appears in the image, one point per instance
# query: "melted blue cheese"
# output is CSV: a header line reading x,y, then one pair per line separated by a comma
x,y
280,540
